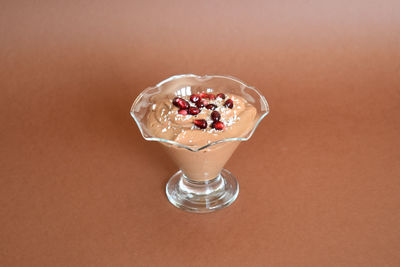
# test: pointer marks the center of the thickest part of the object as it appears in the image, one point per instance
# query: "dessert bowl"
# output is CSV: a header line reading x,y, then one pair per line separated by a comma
x,y
201,184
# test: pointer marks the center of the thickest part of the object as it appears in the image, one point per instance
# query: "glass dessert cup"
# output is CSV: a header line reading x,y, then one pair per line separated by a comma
x,y
201,185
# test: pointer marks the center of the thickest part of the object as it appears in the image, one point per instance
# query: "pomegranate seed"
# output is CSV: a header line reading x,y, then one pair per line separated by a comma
x,y
175,101
215,116
199,104
211,106
180,103
229,103
221,95
194,111
211,96
202,103
217,125
195,97
202,124
183,111
204,95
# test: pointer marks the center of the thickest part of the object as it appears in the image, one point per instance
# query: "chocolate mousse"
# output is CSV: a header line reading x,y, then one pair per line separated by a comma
x,y
197,120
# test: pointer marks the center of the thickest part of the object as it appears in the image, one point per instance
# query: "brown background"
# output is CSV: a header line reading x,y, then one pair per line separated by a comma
x,y
319,180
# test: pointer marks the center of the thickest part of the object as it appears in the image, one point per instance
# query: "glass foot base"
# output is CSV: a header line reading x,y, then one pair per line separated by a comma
x,y
202,196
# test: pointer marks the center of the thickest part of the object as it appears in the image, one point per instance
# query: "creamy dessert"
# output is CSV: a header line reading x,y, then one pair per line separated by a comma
x,y
198,120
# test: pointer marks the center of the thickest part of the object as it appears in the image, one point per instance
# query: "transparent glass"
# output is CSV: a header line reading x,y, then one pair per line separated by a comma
x,y
204,186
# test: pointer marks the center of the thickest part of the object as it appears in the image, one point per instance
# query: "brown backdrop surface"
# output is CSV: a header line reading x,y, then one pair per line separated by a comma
x,y
320,179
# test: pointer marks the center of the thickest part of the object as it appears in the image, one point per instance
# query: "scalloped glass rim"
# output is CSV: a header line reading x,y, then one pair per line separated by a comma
x,y
205,77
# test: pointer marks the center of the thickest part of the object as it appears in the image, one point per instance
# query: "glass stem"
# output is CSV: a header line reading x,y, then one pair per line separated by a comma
x,y
201,188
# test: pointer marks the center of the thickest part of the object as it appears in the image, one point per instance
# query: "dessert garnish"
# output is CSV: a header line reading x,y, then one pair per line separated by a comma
x,y
180,103
228,103
221,95
215,116
211,106
202,124
198,102
218,125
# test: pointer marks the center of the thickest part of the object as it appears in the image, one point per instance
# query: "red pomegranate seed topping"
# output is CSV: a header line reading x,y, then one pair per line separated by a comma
x,y
180,103
229,103
199,104
194,111
204,95
218,125
202,103
176,101
221,95
205,102
215,116
211,106
195,97
202,124
211,96
183,111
